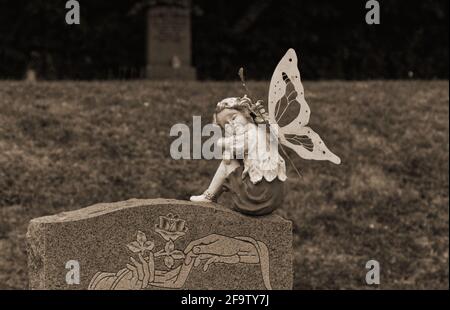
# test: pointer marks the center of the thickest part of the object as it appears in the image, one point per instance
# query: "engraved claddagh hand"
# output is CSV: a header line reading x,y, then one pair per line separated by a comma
x,y
142,271
220,249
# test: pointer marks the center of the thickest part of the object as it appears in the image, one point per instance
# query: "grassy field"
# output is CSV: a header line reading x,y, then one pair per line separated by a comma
x,y
66,145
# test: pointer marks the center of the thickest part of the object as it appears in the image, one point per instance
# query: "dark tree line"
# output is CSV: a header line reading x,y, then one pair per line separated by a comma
x,y
331,37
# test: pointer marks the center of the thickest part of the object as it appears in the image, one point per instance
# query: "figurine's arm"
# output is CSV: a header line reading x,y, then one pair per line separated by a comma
x,y
236,144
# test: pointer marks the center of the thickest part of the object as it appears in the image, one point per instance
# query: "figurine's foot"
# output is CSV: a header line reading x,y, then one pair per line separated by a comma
x,y
205,197
199,198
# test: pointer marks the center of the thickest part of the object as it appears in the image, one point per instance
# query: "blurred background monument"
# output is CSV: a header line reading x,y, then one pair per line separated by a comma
x,y
134,39
168,46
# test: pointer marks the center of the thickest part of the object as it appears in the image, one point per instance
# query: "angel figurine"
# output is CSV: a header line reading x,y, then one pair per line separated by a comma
x,y
252,168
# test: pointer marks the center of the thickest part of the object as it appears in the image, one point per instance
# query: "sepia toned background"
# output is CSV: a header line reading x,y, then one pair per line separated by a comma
x,y
91,128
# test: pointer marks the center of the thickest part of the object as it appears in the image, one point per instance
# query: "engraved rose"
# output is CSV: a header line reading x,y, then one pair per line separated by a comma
x,y
170,227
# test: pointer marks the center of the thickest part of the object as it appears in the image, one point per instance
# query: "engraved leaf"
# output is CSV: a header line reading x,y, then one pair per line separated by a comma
x,y
169,262
141,237
149,245
169,246
177,254
159,253
134,247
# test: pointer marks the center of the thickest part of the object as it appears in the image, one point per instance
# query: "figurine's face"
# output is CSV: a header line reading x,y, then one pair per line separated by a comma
x,y
231,119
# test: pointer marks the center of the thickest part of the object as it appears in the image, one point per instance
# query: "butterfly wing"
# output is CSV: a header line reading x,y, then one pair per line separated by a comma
x,y
287,105
307,144
289,113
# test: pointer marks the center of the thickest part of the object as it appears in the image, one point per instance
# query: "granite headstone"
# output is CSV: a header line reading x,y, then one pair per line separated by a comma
x,y
159,244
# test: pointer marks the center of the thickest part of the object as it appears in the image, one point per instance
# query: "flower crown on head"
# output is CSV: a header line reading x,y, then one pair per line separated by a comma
x,y
257,110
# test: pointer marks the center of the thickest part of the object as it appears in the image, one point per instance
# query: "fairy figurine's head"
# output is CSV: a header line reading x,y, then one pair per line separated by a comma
x,y
233,111
238,111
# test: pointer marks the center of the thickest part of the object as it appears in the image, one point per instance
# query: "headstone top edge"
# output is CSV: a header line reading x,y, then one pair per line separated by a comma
x,y
100,209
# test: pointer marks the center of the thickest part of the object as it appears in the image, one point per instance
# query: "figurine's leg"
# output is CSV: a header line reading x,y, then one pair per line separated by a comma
x,y
222,172
215,187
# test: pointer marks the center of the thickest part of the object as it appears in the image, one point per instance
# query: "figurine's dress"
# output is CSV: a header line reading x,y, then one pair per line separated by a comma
x,y
255,199
256,186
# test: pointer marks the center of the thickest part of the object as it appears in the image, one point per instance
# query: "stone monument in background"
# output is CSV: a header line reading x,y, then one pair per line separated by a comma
x,y
169,40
